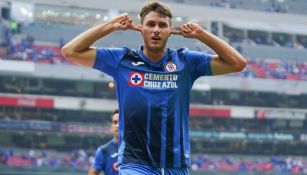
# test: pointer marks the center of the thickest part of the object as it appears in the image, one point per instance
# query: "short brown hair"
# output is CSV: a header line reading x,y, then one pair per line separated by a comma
x,y
116,111
155,6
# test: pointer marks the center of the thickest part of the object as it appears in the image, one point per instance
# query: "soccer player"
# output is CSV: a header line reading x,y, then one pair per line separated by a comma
x,y
106,155
153,85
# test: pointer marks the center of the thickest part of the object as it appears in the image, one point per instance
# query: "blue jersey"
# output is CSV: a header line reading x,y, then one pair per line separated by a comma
x,y
153,103
106,158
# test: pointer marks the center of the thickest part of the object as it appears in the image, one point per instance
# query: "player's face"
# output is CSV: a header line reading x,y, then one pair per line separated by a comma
x,y
114,126
155,30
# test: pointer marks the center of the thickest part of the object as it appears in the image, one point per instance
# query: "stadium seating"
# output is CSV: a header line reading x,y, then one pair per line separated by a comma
x,y
233,130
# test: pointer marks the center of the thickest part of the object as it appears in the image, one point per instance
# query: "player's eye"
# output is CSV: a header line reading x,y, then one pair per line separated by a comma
x,y
150,24
163,25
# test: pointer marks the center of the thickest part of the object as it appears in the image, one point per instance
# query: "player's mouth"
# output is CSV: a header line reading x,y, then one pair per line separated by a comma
x,y
155,39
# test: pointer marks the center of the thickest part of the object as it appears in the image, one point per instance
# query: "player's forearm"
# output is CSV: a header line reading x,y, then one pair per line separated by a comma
x,y
86,39
92,171
223,50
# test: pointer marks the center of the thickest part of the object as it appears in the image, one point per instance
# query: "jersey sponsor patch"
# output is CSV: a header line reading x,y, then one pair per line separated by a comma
x,y
153,81
136,79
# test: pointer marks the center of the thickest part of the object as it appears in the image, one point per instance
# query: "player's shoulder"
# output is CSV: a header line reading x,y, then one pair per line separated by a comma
x,y
178,51
106,145
118,51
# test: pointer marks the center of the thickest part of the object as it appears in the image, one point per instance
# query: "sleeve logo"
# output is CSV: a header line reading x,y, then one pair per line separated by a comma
x,y
136,79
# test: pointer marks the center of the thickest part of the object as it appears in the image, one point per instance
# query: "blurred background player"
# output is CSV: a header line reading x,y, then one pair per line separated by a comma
x,y
106,155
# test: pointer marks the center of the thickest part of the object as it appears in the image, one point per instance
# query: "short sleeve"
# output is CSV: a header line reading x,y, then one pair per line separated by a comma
x,y
107,59
98,162
199,63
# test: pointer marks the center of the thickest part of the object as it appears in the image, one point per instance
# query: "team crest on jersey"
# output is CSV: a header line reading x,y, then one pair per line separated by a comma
x,y
170,67
136,79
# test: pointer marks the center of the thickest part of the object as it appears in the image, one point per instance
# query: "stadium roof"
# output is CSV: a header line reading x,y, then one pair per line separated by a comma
x,y
236,18
265,26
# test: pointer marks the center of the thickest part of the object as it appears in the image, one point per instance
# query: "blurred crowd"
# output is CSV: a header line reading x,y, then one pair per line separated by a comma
x,y
236,164
19,46
82,159
275,69
78,158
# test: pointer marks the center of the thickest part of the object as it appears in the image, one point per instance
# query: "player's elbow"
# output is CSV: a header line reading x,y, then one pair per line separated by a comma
x,y
92,171
241,65
67,53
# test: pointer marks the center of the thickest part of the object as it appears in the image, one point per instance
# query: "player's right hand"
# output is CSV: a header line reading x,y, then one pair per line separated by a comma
x,y
124,22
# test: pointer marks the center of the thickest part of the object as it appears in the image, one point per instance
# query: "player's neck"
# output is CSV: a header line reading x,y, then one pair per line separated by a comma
x,y
154,56
115,139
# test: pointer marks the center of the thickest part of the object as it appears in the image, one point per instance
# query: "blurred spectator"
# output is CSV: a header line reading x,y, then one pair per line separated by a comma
x,y
246,164
275,69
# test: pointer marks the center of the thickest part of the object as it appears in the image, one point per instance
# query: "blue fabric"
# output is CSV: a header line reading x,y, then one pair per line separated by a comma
x,y
135,169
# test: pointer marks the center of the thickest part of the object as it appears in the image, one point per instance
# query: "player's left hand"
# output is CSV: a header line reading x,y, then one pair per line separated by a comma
x,y
189,30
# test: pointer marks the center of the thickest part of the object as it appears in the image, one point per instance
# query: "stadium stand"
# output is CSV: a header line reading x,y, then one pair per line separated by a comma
x,y
271,6
54,114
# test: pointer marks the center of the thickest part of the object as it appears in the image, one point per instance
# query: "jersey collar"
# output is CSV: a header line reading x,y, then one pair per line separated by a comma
x,y
166,57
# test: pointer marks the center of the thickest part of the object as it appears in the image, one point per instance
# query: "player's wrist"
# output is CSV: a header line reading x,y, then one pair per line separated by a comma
x,y
107,27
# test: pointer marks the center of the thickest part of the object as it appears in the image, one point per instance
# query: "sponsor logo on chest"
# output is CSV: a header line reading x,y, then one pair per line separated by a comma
x,y
153,81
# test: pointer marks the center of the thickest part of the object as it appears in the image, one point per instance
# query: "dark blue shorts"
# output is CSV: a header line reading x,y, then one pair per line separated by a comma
x,y
138,169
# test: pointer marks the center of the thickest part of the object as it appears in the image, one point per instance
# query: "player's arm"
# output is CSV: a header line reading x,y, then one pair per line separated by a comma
x,y
92,171
98,163
227,60
79,49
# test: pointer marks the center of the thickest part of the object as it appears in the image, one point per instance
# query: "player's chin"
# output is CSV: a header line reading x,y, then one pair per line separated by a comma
x,y
156,47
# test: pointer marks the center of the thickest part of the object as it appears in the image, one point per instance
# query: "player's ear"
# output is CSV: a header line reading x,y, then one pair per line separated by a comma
x,y
140,28
172,29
